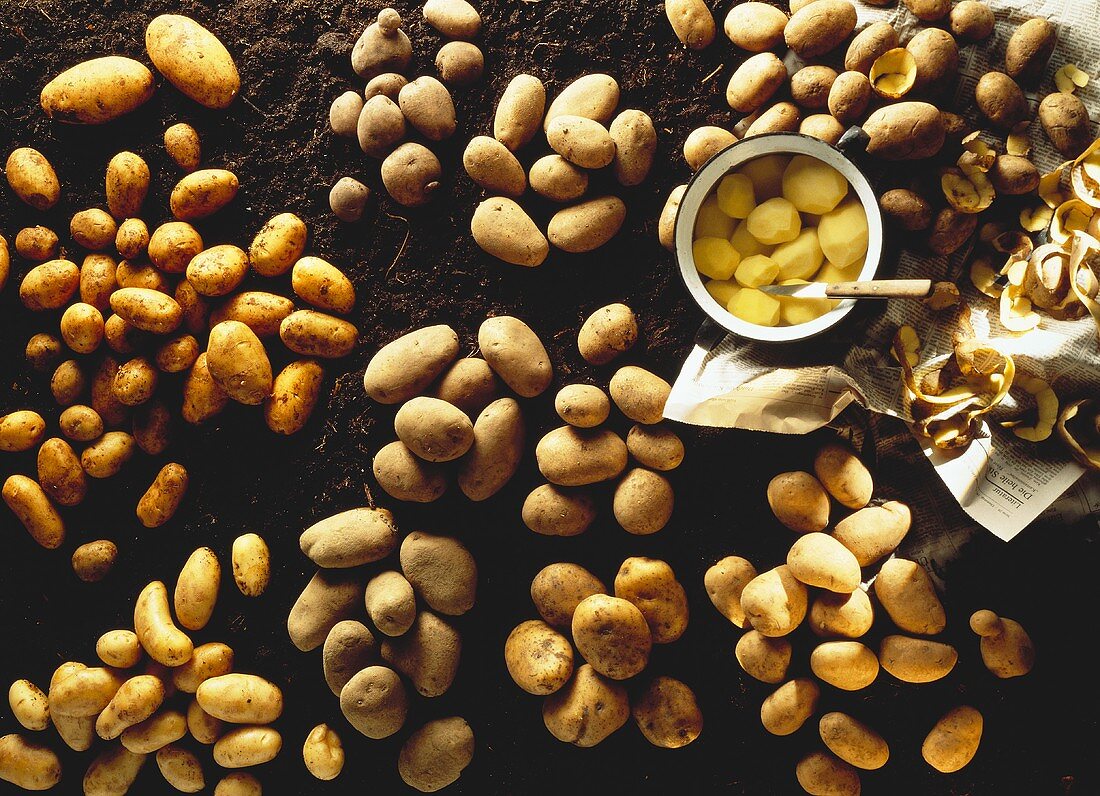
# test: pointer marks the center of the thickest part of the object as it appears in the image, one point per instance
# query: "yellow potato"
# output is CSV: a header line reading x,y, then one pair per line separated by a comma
x,y
213,659
112,772
582,405
724,583
787,708
692,22
498,445
587,710
94,229
847,615
93,561
136,700
49,286
1007,650
848,665
251,564
28,765
652,587
240,699
119,648
177,355
558,589
323,753
874,532
127,183
519,111
812,185
909,597
668,714
612,635
766,659
32,178
21,430
202,193
639,394
316,334
173,245
135,382
588,225
132,238
799,501
278,245
147,310
568,456
756,27
715,258
853,741
774,602
539,658
202,396
259,311
821,774
294,394
155,732
238,363
29,503
711,222
160,638
247,746
774,221
755,81
843,475
842,233
217,271
197,590
953,740
181,142
818,559
78,732
593,96
815,30
193,60
42,351
606,333
60,474
916,660
142,275
68,383
643,501
666,224
30,706
180,768
554,511
238,784
5,261
493,166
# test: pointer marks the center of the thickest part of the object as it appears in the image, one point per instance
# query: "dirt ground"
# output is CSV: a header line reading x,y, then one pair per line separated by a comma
x,y
413,268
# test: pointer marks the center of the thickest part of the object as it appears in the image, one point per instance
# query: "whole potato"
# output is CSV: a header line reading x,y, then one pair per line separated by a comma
x,y
434,756
846,615
821,774
427,654
43,350
587,709
238,363
317,334
558,589
49,286
766,659
136,274
93,561
455,19
404,367
21,430
612,635
950,230
28,765
755,81
60,474
119,648
849,96
783,117
178,354
498,444
247,746
1029,48
193,60
390,603
460,63
556,178
539,658
78,732
29,503
937,57
643,501
202,193
330,596
251,561
847,665
181,142
874,532
180,768
36,244
30,706
907,209
756,27
349,648
426,104
294,394
240,699
639,394
774,602
666,224
704,142
348,199
787,708
588,225
155,733
692,22
196,591
173,245
515,354
343,113
519,111
655,447
238,784
203,397
278,245
503,229
98,281
652,587
1007,650
818,559
468,384
1013,175
928,10
382,47
132,238
318,282
668,714
853,741
493,166
581,141
441,570
113,771
558,512
208,660
810,86
1000,100
323,753
606,333
160,638
68,382
568,456
593,96
635,146
953,741
905,131
350,538
381,126
724,582
909,597
819,27
972,20
127,183
582,405
799,501
217,271
405,476
867,45
411,174
83,691
94,229
916,660
79,423
136,700
1065,120
32,178
843,475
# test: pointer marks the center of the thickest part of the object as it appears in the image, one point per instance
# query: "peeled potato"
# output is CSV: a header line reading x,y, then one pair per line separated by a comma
x,y
775,221
842,233
812,185
752,306
715,257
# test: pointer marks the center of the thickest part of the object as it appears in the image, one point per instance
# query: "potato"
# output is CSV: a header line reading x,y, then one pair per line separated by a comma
x,y
160,638
909,597
756,27
323,753
1065,120
703,142
435,755
867,45
427,106
247,746
799,501
558,589
668,714
28,765
49,286
582,405
468,384
294,395
612,635
724,582
874,532
754,82
32,178
411,174
1029,48
812,186
31,506
971,20
349,648
849,96
31,708
173,245
639,394
135,382
343,113
692,23
498,444
382,47
455,19
146,309
593,96
328,598
810,86
316,334
815,29
67,383
905,131
5,260
380,126
460,63
818,559
391,603
643,501
119,648
655,447
824,775
492,166
953,741
259,311
60,474
950,230
403,368
202,193
441,570
181,142
202,396
405,476
635,146
1013,175
42,351
587,710
606,333
503,229
155,733
583,142
906,209
847,665
93,561
240,699
197,590
238,362
78,732
846,615
916,660
177,355
278,245
556,178
652,587
113,771
573,457
238,784
83,691
1000,100
937,57
36,244
558,512
853,741
842,233
433,429
774,221
519,111
666,224
323,285
21,430
348,199
193,60
136,274
180,768
208,660
136,700
787,708
1007,650
766,659
774,602
427,654
251,564
203,727
516,354
132,238
539,658
94,229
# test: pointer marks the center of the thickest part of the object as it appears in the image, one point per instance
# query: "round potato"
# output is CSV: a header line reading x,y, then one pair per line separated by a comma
x,y
612,635
818,559
79,423
208,660
193,60
539,658
441,570
581,141
427,654
49,286
756,27
43,350
639,394
516,354
556,178
1065,120
381,126
1001,100
724,583
953,741
519,111
787,708
552,511
643,501
32,178
766,659
587,710
94,229
937,57
405,476
173,245
849,96
468,384
343,113
799,501
655,447
558,589
181,142
403,368
821,774
349,648
119,648
582,405
668,714
411,174
606,333
853,741
774,602
93,561
704,142
433,429
21,430
1013,175
846,615
906,209
238,784
460,63
278,245
434,756
36,244
568,456
810,86
972,20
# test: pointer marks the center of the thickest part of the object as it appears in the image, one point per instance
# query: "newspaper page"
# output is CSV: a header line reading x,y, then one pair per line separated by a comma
x,y
1000,481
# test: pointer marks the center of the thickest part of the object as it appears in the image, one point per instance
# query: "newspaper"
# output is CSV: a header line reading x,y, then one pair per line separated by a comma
x,y
1000,481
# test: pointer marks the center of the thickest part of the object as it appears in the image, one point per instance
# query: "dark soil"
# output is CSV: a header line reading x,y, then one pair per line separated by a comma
x,y
418,267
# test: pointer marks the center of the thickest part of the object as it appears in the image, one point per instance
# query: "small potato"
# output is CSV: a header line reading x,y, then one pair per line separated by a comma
x,y
655,447
203,398
1001,100
612,635
905,131
60,473
203,727
756,27
93,229
799,501
441,570
909,597
155,733
593,96
136,700
382,47
652,587
177,355
323,753
31,708
135,382
42,351
587,709
136,274
556,178
119,648
558,589
516,354
160,638
953,741
238,784
704,142
213,659
635,142
574,457
581,141
323,285
455,19
173,245
435,755
391,603
1007,650
846,615
349,648
49,286
203,193
330,597
493,166
639,394
404,367
874,532
843,475
93,561
68,383
181,142
468,384
180,768
539,659
348,199
971,20
240,699
31,506
36,244
810,86
197,590
78,732
787,708
766,659
643,501
427,654
668,714
558,512
818,559
411,174
343,113
113,412
582,405
32,178
28,765
405,476
821,774
317,334
294,395
113,771
132,239
724,582
692,23
1013,175
1029,48
177,44
350,538
950,230
247,746
147,310
815,29
381,126
427,106
849,96
774,602
853,741
460,63
754,82
494,456
217,271
519,111
259,311
1065,120
606,333
867,45
916,660
278,245
666,225
21,430
847,665
251,564
907,209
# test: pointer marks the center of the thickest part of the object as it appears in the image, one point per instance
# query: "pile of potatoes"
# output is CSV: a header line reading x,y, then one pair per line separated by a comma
x,y
584,135
380,117
407,643
614,634
154,687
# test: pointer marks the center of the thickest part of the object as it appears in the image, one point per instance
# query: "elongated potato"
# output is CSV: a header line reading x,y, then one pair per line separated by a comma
x,y
203,193
821,774
28,765
427,654
692,22
558,589
203,397
278,245
260,311
516,354
787,708
905,131
251,564
755,81
404,367
330,597
155,732
213,659
569,456
494,456
97,90
160,638
724,583
136,700
78,732
427,105
583,142
29,503
82,691
32,178
874,532
203,727
433,429
588,225
553,511
406,476
323,285
588,709
180,768
916,660
843,475
60,473
218,270
652,587
193,60
247,746
316,334
755,27
853,741
30,706
909,597
848,665
774,602
493,166
294,395
639,394
240,699
112,772
846,615
818,559
519,111
593,96
197,589
503,229
799,501
49,286
635,142
238,363
146,309
539,659
350,538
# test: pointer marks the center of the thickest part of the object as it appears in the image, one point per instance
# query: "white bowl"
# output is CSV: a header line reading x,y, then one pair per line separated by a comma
x,y
703,184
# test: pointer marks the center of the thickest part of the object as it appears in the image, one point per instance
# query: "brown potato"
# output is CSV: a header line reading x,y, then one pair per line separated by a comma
x,y
853,741
553,511
294,394
493,166
163,497
349,648
132,238
36,244
259,311
905,131
1065,120
404,367
42,351
519,111
668,714
147,310
494,456
411,174
381,126
568,456
515,353
847,665
177,355
1013,175
539,658
593,96
390,603
909,597
556,178
799,501
587,710
330,597
135,381
643,501
173,245
821,774
606,333
93,561
972,20
635,146
343,114
612,635
93,229
67,382
427,654
441,570
468,384
849,96
652,587
724,582
427,105
756,27
818,559
350,538
433,429
49,286
460,63
382,47
203,398
867,45
503,229
846,615
238,363
952,743
1029,48
810,86
434,756
950,230
907,209
181,142
816,29
753,83
29,503
32,178
1007,650
937,57
60,474
1000,100
558,589
766,659
176,44
405,476
316,334
874,532
916,660
79,423
639,394
787,708
774,602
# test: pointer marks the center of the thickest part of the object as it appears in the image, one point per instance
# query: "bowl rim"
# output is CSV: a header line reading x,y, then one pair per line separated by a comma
x,y
702,184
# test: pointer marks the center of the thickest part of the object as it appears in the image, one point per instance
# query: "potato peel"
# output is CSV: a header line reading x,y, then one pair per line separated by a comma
x,y
1050,186
1046,409
1069,78
1071,216
1085,175
1018,142
1036,218
984,278
893,73
967,189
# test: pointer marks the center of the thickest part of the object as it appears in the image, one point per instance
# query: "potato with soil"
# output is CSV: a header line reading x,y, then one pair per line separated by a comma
x,y
755,81
42,351
247,746
251,562
1065,120
539,658
441,570
937,57
434,756
635,142
787,708
953,741
381,126
909,597
503,229
587,710
411,174
516,354
493,166
330,597
294,394
766,659
32,178
568,456
93,561
49,286
558,589
193,60
36,244
556,178
875,531
821,774
774,602
343,113
1000,100
403,368
350,538
498,442
136,700
60,473
173,245
593,96
93,229
132,239
349,648
1029,48
97,90
5,261
692,22
950,230
849,96
703,142
519,112
28,765
405,476
181,142
606,333
810,86
317,334
639,394
1013,175
468,384
724,582
348,199
460,63
971,20
819,27
278,245
668,714
382,47
905,209
643,502
612,635
905,131
782,117
655,447
113,771
427,105
756,27
581,141
427,654
799,501
30,706
818,559
31,506
916,660
208,660
203,398
238,363
867,45
651,586
106,456
21,430
203,193
554,511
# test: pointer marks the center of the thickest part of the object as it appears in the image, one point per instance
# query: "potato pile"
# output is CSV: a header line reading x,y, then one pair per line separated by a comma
x,y
779,219
614,635
381,116
586,135
155,687
411,643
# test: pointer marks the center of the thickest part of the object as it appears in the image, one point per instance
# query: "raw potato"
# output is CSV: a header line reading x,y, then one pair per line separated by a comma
x,y
278,245
843,475
181,142
29,705
105,457
652,587
43,350
455,19
202,193
435,755
21,430
692,22
582,405
755,81
703,142
348,199
787,708
816,29
238,784
907,209
606,333
503,229
587,710
848,665
953,741
905,131
323,753
568,456
193,60
1065,120
774,602
411,174
766,659
197,589
774,221
180,768
29,503
441,570
639,394
132,238
49,286
724,583
93,229
558,512
383,47
238,363
539,658
208,660
849,96
556,178
818,559
403,368
60,474
427,106
821,774
119,648
972,20
136,700
493,166
433,429
427,654
173,245
916,660
468,384
316,334
28,765
330,597
1001,100
655,447
134,382
668,714
81,691
558,589
160,638
349,648
350,538
390,602
928,10
581,141
867,45
202,397
950,230
756,27
643,502
247,746
405,476
251,564
1007,650
666,224
113,771
519,111
635,146
846,615
381,126
937,58
155,733
97,90
460,63
32,178
810,86
1029,48
909,597
612,635
498,445
874,532
799,501
93,561
177,354
36,244
1013,175
516,354
240,699
853,741
147,310
592,96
